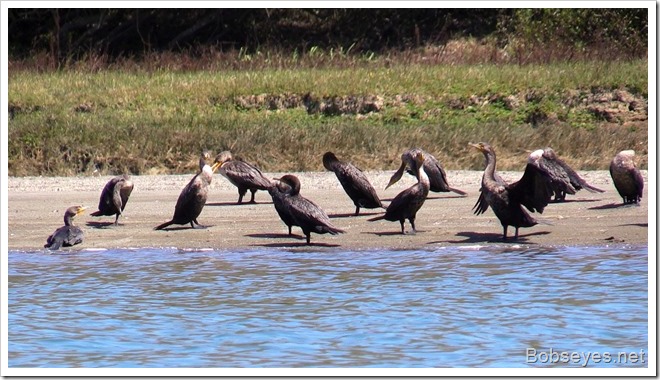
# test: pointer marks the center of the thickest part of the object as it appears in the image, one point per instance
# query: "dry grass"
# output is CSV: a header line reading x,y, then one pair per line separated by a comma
x,y
152,120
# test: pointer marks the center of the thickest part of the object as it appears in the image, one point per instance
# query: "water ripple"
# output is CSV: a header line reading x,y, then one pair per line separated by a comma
x,y
463,307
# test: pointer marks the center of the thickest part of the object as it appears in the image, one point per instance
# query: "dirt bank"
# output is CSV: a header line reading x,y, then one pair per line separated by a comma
x,y
36,206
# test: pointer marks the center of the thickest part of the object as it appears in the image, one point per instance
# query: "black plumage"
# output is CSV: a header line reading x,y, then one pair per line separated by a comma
x,y
69,234
626,176
300,211
408,202
564,180
354,181
241,174
192,199
279,191
437,176
114,197
533,191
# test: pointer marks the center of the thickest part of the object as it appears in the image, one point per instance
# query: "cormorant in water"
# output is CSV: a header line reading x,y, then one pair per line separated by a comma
x,y
300,211
114,197
354,182
242,175
67,235
193,197
433,169
406,204
533,191
627,178
564,180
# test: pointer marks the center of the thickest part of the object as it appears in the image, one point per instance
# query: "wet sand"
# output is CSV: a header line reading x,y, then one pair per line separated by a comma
x,y
37,204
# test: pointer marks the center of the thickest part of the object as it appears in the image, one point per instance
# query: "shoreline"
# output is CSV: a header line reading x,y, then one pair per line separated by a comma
x,y
36,206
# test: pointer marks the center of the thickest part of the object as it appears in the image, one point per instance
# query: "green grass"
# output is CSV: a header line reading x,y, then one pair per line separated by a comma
x,y
72,122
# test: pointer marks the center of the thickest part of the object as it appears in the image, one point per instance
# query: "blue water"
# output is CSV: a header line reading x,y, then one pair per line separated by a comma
x,y
450,307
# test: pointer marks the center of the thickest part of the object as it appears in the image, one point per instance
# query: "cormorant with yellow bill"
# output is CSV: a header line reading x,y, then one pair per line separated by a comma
x,y
406,204
533,191
67,235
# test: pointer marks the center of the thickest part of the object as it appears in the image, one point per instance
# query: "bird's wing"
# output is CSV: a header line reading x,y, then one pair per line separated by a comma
x,y
308,213
559,173
245,173
533,190
577,181
355,182
481,205
125,192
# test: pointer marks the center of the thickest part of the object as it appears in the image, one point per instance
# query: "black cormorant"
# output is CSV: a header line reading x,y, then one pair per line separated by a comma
x,y
354,182
300,211
114,197
242,175
564,180
533,191
192,199
433,169
67,235
406,204
627,178
279,191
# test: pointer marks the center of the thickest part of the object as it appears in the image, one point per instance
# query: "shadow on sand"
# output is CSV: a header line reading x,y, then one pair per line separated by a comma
x,y
614,205
489,237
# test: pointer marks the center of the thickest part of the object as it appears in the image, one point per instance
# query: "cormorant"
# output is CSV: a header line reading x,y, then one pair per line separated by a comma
x,y
433,169
67,235
192,199
300,211
626,176
241,174
564,180
114,197
533,191
279,191
406,204
354,182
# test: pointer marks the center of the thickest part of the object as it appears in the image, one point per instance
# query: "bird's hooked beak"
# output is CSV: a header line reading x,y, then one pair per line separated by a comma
x,y
478,146
397,175
216,165
80,210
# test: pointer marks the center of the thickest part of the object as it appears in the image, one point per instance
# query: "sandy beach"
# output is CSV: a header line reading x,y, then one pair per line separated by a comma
x,y
37,204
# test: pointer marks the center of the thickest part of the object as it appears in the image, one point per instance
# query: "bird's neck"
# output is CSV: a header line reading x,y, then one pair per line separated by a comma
x,y
489,172
68,220
207,173
423,178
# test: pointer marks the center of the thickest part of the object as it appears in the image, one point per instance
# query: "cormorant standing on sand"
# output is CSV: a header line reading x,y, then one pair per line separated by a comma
x,y
114,197
354,182
241,174
406,204
564,180
432,167
192,199
533,191
626,176
67,235
296,210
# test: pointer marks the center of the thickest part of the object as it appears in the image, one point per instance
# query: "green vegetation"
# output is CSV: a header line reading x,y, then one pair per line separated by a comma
x,y
158,121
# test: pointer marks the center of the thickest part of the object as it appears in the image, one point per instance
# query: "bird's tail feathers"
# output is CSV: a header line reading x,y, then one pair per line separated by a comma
x,y
96,213
160,227
457,191
593,189
335,230
379,217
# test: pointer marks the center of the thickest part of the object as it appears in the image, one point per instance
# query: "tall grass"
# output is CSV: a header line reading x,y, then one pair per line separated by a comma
x,y
76,121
